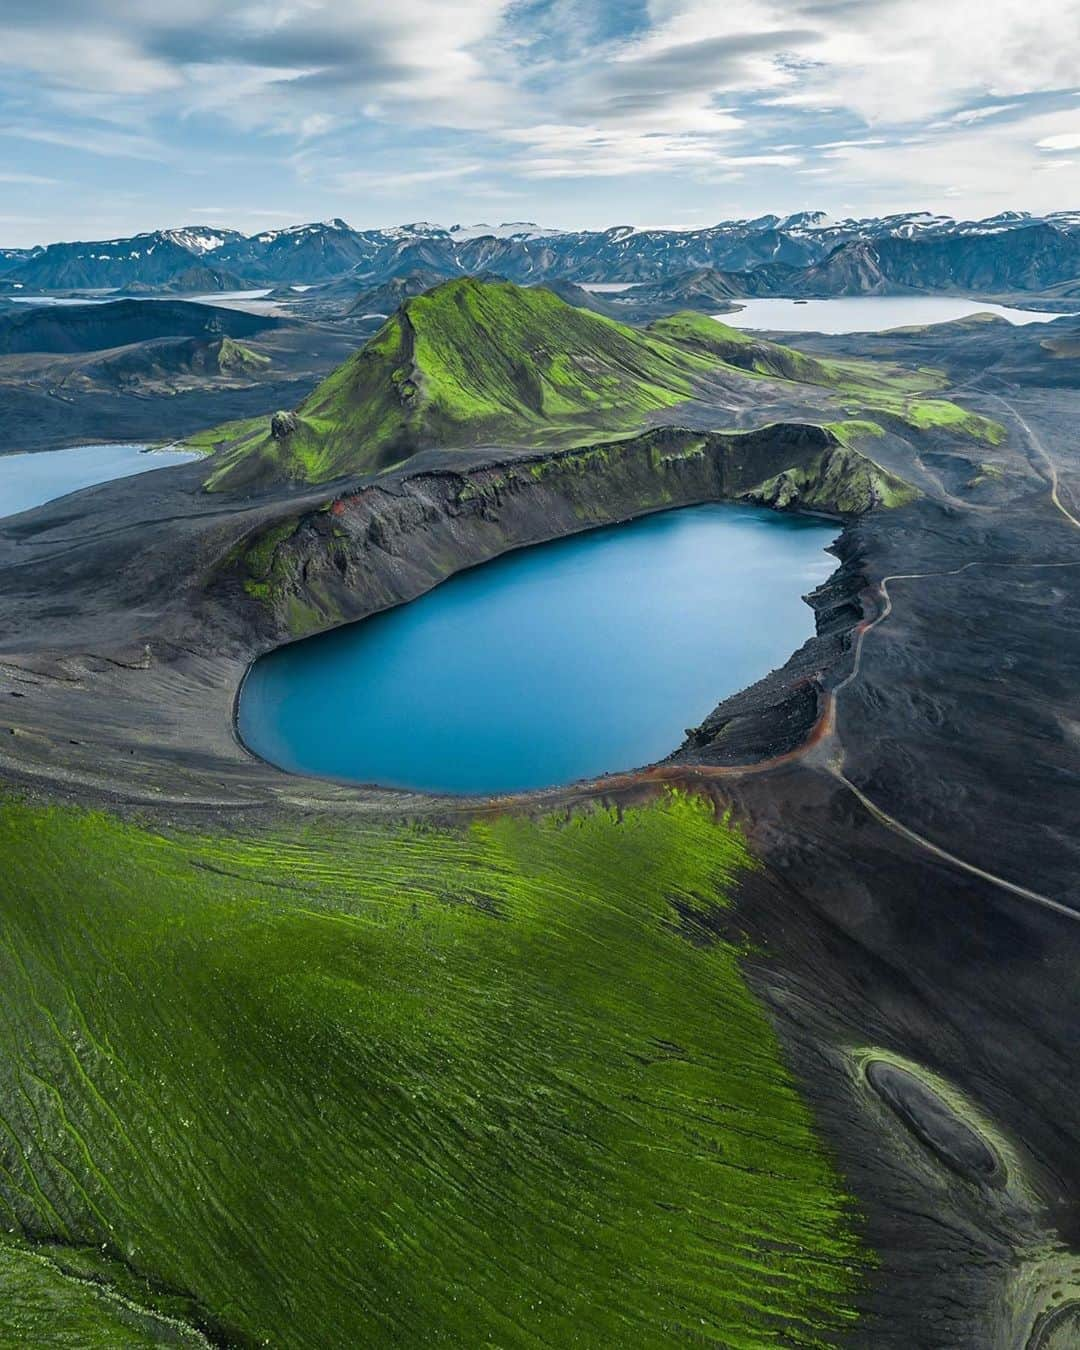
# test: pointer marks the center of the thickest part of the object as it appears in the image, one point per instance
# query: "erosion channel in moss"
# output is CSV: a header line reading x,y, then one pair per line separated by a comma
x,y
358,1084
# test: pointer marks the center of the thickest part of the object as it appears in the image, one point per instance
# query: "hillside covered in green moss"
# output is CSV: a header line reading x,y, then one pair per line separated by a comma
x,y
361,1084
474,363
468,363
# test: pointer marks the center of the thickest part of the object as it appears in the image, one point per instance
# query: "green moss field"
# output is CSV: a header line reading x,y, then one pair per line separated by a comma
x,y
355,1084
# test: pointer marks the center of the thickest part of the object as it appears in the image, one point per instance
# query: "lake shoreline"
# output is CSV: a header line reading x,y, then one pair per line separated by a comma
x,y
171,695
356,673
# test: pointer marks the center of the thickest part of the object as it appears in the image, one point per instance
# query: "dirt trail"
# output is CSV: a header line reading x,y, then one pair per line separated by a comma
x,y
1043,457
834,764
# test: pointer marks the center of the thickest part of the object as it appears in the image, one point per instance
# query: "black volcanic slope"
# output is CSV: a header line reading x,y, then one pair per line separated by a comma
x,y
117,323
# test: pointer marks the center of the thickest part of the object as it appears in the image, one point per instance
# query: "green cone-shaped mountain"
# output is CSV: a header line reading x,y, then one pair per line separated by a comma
x,y
474,363
468,363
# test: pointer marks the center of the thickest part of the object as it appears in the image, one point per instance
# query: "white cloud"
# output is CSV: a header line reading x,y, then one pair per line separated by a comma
x,y
92,140
380,180
1069,141
883,100
966,116
989,169
898,62
29,179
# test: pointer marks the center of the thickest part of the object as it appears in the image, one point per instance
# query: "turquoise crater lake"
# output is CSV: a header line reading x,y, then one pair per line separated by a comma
x,y
564,661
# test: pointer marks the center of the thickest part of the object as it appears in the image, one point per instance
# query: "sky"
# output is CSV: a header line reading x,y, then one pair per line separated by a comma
x,y
125,115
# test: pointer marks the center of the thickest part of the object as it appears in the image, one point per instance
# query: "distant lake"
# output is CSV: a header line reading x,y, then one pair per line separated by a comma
x,y
554,663
254,301
30,480
868,313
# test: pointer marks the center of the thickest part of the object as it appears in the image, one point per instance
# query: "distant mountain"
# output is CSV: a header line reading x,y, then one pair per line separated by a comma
x,y
88,328
11,258
200,239
153,259
198,279
1029,257
382,301
511,229
302,253
1035,256
1010,251
703,288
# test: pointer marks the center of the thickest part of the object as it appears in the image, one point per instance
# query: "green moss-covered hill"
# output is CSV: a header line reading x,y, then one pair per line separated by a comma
x,y
486,363
467,363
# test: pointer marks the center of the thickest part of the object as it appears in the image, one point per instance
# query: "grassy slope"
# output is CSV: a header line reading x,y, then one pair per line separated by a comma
x,y
52,1295
363,1086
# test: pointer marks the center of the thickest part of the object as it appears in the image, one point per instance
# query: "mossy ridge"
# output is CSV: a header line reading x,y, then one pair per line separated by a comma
x,y
233,356
840,479
928,414
873,383
866,386
852,431
468,363
355,1085
264,565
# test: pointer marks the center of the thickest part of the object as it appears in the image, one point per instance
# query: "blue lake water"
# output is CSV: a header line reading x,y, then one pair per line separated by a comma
x,y
30,480
868,313
559,662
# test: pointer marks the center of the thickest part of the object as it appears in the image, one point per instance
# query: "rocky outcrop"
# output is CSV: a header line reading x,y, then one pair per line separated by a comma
x,y
840,479
282,425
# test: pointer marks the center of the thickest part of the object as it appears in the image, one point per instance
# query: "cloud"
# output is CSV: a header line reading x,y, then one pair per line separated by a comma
x,y
416,51
988,171
88,139
28,179
433,100
967,116
381,180
1069,141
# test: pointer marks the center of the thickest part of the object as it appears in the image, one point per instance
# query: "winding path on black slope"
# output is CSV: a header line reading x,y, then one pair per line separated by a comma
x,y
1049,468
835,762
823,747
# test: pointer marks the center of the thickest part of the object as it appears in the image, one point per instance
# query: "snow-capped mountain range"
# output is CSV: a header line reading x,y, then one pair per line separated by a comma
x,y
519,250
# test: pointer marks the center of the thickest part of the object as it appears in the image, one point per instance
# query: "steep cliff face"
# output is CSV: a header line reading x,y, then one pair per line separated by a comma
x,y
382,545
839,479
